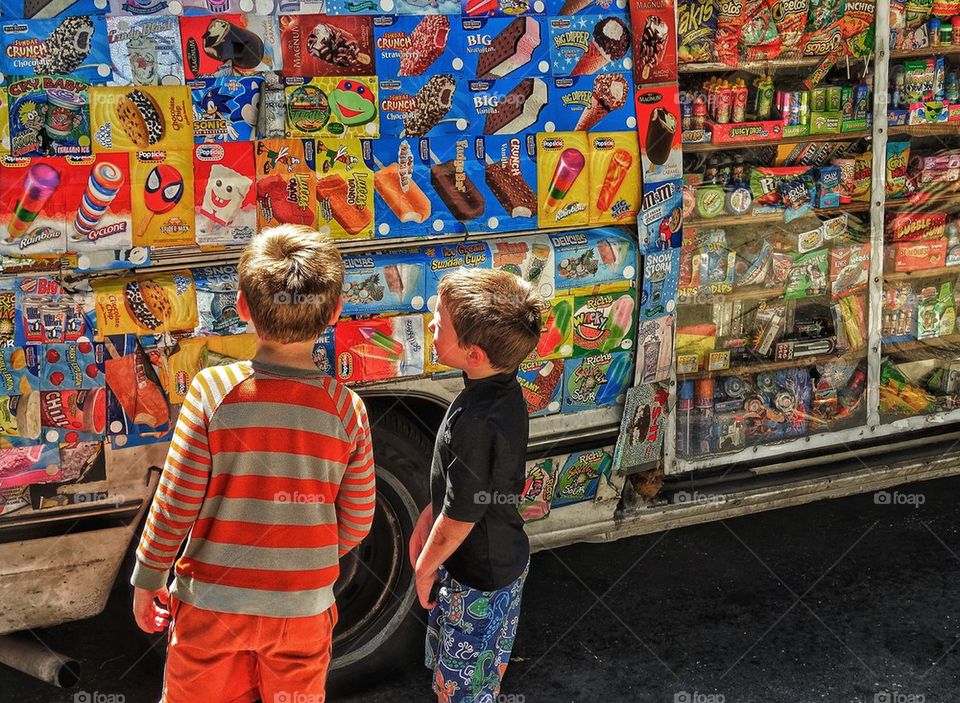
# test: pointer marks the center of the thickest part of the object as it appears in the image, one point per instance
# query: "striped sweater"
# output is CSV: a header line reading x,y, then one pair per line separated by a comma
x,y
270,473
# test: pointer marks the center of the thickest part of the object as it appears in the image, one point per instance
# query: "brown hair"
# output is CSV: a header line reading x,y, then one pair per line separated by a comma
x,y
495,310
292,278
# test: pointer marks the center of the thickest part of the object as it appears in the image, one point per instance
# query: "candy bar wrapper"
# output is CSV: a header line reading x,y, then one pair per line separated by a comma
x,y
654,350
162,206
75,46
511,106
849,270
808,276
61,100
225,193
585,7
655,40
4,122
441,259
45,314
604,323
596,381
422,105
196,353
595,260
541,382
579,478
697,31
217,7
383,283
19,370
99,201
71,366
344,188
324,352
332,106
29,465
658,123
324,45
563,181
418,46
614,178
661,216
537,489
228,44
530,258
508,184
217,288
145,50
32,206
661,277
286,182
47,10
642,428
603,102
380,348
135,119
164,302
418,210
591,44
225,109
432,363
506,47
73,415
556,336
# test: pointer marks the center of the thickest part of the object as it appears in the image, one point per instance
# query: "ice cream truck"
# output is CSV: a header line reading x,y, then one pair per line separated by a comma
x,y
750,280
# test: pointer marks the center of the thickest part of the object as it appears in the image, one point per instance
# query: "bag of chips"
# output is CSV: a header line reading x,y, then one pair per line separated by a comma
x,y
697,29
790,17
761,40
731,16
823,27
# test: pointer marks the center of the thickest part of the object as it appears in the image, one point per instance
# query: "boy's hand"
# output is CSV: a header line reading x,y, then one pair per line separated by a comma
x,y
151,617
425,582
421,531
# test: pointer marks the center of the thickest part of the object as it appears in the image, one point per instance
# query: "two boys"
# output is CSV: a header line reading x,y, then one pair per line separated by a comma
x,y
251,610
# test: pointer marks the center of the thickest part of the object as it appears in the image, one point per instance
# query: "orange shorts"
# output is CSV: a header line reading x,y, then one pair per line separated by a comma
x,y
228,658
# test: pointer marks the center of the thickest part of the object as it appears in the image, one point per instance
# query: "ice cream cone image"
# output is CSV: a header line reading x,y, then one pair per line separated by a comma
x,y
609,94
611,39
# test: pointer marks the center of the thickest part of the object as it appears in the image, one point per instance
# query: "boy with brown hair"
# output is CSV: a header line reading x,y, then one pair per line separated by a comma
x,y
470,538
270,475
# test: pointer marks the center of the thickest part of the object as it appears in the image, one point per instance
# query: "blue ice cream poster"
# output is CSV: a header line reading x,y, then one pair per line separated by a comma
x,y
225,109
505,47
75,46
384,283
510,106
417,46
505,170
419,106
602,103
443,258
583,45
595,257
660,223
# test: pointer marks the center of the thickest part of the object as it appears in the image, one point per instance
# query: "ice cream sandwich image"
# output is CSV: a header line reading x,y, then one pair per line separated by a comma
x,y
519,109
457,191
140,118
511,49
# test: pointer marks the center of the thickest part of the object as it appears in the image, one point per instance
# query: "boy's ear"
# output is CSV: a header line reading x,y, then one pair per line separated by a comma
x,y
476,356
243,308
337,311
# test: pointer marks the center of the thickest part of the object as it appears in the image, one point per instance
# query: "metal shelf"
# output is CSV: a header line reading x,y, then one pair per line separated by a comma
x,y
774,218
695,147
751,293
776,365
950,341
751,66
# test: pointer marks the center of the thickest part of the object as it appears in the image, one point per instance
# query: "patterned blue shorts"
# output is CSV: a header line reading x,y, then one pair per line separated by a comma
x,y
470,635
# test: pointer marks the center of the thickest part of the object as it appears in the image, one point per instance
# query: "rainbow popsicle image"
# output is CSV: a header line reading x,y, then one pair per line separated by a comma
x,y
39,184
378,340
102,187
568,169
619,323
616,173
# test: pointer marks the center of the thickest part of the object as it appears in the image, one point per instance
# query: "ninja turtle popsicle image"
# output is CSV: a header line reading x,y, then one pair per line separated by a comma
x,y
332,106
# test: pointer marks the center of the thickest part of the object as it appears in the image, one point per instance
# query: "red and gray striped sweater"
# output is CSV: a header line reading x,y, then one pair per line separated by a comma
x,y
270,473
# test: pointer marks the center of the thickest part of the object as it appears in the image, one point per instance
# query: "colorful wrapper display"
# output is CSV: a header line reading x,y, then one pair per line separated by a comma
x,y
345,188
162,206
197,353
661,216
19,370
614,178
71,366
441,259
286,182
595,260
642,427
604,323
145,50
563,181
131,119
603,102
556,340
508,184
506,47
29,465
530,258
596,381
591,44
324,45
661,278
415,46
164,302
103,217
659,127
384,283
542,383
332,107
537,489
225,193
245,43
580,476
420,106
75,45
378,349
32,207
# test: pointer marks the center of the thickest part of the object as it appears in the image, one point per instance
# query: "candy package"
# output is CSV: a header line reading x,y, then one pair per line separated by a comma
x,y
229,44
537,489
422,105
760,37
808,276
332,106
379,348
592,44
501,47
509,183
100,198
383,283
614,178
604,323
563,182
135,119
286,182
162,198
604,257
441,259
75,46
164,302
592,103
511,105
344,188
697,30
849,270
579,478
324,45
541,382
898,157
790,17
225,193
49,116
225,109
596,381
145,50
661,216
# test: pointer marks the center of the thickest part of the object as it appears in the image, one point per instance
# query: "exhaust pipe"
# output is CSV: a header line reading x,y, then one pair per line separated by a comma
x,y
31,657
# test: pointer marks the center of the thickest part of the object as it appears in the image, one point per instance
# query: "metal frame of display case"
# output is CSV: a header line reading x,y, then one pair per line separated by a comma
x,y
872,427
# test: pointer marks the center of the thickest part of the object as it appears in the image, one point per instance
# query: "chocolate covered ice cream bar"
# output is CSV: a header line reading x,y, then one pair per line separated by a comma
x,y
511,190
510,49
456,190
519,109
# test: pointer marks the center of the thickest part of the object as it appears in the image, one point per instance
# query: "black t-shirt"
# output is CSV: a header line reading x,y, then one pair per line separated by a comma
x,y
479,464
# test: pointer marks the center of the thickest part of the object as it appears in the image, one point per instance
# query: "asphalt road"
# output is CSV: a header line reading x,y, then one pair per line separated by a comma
x,y
848,600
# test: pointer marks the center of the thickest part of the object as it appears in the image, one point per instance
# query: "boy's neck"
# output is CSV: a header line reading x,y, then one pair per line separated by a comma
x,y
479,374
297,355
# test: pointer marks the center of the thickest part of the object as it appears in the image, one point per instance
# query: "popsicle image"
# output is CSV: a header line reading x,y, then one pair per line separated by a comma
x,y
408,204
565,174
556,329
619,323
511,190
377,339
611,40
616,379
162,192
458,192
428,41
610,92
41,181
333,189
336,46
617,171
102,187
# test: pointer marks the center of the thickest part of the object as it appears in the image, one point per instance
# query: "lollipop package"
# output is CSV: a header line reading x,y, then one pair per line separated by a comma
x,y
379,348
614,177
332,106
221,45
100,200
162,198
134,119
286,182
563,181
225,193
326,45
344,188
75,46
591,44
145,50
509,183
655,40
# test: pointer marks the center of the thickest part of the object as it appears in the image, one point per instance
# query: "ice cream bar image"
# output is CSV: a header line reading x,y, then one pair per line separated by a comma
x,y
516,196
428,41
334,190
616,376
456,190
607,255
378,339
519,109
39,184
410,205
609,93
653,41
336,46
565,175
616,173
572,7
619,323
611,39
660,132
510,50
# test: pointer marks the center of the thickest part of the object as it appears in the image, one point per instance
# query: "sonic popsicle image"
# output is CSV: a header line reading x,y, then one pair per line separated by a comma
x,y
568,169
39,184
